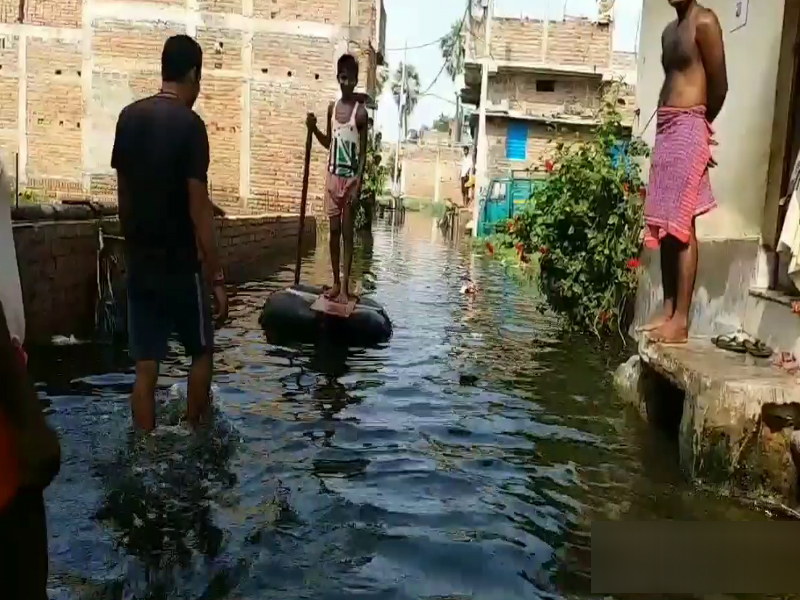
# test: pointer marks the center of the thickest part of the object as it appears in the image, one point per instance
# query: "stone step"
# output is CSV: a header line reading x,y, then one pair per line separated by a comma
x,y
736,417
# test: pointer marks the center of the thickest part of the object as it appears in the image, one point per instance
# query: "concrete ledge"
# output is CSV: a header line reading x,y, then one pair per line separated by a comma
x,y
733,415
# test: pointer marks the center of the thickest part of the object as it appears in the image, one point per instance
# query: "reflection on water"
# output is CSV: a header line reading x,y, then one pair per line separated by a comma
x,y
466,459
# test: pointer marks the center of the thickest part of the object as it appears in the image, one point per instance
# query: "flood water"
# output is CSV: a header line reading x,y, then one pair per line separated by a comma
x,y
466,459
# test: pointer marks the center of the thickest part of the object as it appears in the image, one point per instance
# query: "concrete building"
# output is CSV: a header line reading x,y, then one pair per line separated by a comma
x,y
67,67
545,84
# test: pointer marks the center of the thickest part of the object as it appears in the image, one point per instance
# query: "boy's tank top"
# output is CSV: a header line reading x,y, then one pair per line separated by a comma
x,y
345,142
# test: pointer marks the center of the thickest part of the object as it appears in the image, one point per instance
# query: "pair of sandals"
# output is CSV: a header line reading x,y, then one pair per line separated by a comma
x,y
734,343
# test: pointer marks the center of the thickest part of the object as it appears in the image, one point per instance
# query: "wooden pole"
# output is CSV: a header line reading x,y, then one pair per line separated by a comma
x,y
303,202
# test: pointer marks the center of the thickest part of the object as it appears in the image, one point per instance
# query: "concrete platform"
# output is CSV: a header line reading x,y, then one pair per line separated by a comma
x,y
734,415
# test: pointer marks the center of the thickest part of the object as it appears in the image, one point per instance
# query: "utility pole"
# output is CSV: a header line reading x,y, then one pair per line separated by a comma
x,y
481,162
459,119
437,176
401,110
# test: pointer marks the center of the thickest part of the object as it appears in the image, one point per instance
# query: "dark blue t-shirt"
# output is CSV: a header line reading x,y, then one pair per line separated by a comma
x,y
160,144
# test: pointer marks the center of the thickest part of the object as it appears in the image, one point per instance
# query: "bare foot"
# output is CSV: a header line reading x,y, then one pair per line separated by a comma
x,y
344,297
671,332
333,292
653,325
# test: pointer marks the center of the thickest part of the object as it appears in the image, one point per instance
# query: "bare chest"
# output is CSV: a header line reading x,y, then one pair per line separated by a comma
x,y
679,49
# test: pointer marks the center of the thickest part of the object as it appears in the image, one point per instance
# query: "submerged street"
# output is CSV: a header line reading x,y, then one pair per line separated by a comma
x,y
467,458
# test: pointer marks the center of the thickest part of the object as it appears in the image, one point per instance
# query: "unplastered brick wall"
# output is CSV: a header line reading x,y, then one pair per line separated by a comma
x,y
570,42
538,94
54,109
9,94
58,264
420,171
61,13
579,42
321,11
542,140
247,243
266,63
58,272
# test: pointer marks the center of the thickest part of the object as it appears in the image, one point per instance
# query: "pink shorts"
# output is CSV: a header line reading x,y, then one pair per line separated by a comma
x,y
339,192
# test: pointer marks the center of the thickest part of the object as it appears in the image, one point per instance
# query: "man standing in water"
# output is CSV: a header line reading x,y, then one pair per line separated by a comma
x,y
466,173
694,90
346,138
161,157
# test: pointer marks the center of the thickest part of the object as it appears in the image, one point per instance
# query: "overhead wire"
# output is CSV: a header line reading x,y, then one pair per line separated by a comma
x,y
444,62
434,42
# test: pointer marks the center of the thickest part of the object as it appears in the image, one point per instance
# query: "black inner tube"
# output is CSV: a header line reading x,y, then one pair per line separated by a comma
x,y
287,316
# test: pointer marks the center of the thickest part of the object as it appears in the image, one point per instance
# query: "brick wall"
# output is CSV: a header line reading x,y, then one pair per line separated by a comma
x,y
9,94
579,42
624,62
522,93
54,110
57,269
571,42
58,262
262,72
419,171
542,140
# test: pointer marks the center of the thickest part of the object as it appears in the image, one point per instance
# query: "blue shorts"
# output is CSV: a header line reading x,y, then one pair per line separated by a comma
x,y
164,303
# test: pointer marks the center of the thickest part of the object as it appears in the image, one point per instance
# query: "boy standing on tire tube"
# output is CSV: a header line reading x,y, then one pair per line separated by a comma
x,y
346,139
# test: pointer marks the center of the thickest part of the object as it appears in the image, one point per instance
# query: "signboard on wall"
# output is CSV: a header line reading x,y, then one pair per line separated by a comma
x,y
740,9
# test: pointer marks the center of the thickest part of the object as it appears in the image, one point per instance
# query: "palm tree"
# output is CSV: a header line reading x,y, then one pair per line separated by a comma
x,y
382,76
452,47
412,92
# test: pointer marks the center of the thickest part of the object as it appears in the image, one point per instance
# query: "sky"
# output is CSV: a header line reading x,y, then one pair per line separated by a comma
x,y
421,21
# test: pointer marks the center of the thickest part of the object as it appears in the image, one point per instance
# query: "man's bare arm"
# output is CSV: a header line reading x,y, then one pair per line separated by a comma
x,y
712,51
201,209
362,134
218,211
202,213
123,199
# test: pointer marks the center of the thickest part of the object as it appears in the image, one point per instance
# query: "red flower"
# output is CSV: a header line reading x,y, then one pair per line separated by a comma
x,y
626,188
603,316
544,251
548,166
510,227
520,248
634,264
490,247
643,192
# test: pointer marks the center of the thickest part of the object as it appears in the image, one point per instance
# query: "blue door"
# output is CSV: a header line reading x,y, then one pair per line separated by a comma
x,y
517,140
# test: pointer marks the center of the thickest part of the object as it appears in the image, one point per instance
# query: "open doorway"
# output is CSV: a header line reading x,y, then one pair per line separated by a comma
x,y
778,279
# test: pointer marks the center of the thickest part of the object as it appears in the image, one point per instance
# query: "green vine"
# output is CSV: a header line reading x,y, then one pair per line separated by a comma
x,y
585,226
375,177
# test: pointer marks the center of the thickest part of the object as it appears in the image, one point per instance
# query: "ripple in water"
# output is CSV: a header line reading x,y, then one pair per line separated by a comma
x,y
465,459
